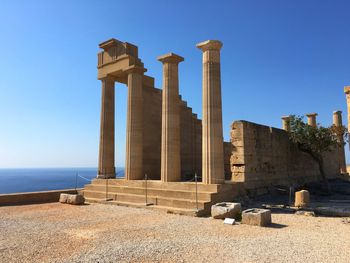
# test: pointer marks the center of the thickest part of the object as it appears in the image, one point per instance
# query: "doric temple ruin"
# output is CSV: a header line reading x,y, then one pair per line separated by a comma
x,y
167,145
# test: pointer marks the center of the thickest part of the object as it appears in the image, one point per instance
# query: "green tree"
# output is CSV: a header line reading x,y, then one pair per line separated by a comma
x,y
316,140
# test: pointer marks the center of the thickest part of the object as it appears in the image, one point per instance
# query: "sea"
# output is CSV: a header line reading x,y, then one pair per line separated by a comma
x,y
43,179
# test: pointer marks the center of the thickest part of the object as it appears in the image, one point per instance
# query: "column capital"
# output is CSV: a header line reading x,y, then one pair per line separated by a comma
x,y
311,114
170,58
285,118
337,112
108,77
346,89
135,70
210,45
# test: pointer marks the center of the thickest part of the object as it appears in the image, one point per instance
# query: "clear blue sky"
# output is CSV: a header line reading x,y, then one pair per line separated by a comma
x,y
279,57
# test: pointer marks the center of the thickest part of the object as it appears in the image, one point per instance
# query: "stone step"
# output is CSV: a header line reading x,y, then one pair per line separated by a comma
x,y
187,186
151,191
167,209
156,200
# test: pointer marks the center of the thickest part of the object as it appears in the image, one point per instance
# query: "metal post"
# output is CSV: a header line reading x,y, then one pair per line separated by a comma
x,y
76,181
107,199
146,187
147,204
106,189
195,178
291,190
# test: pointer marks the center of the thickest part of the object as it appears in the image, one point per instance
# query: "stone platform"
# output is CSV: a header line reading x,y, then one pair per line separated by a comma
x,y
171,197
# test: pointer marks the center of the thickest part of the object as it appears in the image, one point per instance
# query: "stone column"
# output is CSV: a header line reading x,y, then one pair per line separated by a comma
x,y
337,121
347,93
212,138
134,126
286,123
311,119
170,153
106,147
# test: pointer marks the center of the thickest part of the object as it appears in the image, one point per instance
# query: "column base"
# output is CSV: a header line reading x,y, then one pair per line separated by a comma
x,y
105,176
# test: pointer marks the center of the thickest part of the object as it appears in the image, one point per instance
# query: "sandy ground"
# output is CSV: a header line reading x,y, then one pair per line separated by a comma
x,y
106,233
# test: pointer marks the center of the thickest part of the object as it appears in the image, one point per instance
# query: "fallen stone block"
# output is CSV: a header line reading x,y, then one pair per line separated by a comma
x,y
302,198
76,199
333,211
305,213
256,217
226,209
63,198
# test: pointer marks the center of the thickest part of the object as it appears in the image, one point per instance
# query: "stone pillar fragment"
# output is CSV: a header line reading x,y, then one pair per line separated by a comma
x,y
347,93
286,123
106,148
134,126
170,149
311,119
337,121
212,138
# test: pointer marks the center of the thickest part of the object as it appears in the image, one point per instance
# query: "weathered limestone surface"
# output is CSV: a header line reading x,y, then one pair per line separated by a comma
x,y
264,156
256,217
347,93
302,198
63,198
73,199
212,137
226,209
311,119
134,126
170,150
337,121
286,123
106,148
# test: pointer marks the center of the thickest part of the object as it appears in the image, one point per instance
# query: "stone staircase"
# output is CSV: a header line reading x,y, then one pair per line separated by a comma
x,y
171,197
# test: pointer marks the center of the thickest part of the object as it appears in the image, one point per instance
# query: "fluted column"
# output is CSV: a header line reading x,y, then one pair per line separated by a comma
x,y
286,123
106,147
347,93
212,138
311,119
170,153
134,126
337,121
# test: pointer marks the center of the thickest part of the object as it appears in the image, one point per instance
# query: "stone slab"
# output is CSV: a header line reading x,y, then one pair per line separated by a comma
x,y
226,209
256,217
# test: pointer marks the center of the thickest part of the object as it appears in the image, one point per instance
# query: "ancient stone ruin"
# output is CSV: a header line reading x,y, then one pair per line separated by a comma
x,y
167,142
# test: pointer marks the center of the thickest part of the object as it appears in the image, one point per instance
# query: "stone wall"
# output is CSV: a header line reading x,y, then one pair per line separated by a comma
x,y
34,197
264,156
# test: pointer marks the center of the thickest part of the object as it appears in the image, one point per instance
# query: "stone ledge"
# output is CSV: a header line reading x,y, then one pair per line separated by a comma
x,y
34,197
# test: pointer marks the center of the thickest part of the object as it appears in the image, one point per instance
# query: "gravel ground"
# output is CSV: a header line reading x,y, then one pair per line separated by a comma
x,y
106,233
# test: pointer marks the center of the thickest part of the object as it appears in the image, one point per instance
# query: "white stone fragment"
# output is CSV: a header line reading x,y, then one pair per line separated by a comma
x,y
229,221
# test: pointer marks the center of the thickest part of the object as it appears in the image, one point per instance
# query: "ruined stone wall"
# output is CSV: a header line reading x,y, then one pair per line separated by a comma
x,y
264,156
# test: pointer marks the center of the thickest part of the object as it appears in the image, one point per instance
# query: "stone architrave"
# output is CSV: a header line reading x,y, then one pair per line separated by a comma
x,y
347,93
134,126
311,119
337,121
286,123
170,145
106,148
212,136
